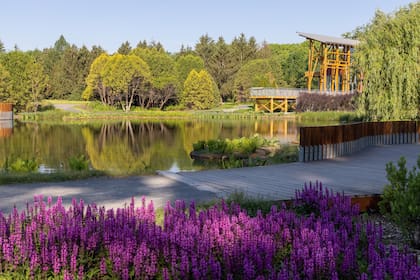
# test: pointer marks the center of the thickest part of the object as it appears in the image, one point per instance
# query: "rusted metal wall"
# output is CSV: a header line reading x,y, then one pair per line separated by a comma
x,y
325,142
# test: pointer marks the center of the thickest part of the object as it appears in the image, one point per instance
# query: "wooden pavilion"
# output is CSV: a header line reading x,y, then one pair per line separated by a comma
x,y
329,61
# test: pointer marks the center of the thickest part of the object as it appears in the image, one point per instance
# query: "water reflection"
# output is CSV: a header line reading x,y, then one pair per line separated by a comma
x,y
130,147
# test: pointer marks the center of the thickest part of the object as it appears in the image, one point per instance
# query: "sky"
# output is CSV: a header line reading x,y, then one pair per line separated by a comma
x,y
32,24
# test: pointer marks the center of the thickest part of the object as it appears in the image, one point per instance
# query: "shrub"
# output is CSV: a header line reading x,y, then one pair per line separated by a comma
x,y
324,102
401,199
78,163
21,165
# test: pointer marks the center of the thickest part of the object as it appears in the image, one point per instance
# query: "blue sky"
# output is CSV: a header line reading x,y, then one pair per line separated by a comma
x,y
38,24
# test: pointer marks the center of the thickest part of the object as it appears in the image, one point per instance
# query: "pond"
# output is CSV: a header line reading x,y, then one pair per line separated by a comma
x,y
128,147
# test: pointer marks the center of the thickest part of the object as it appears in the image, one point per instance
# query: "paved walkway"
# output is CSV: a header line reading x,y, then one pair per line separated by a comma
x,y
360,174
110,192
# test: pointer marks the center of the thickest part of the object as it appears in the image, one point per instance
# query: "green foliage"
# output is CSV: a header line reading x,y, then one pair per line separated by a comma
x,y
20,177
243,145
223,60
20,165
79,163
185,64
38,84
200,91
164,78
5,85
294,60
125,48
388,58
257,73
15,63
125,75
401,198
252,205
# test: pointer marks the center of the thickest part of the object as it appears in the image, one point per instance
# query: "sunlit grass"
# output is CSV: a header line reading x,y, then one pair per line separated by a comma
x,y
33,177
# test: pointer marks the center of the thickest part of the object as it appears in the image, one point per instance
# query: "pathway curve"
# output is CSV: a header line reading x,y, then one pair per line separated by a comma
x,y
69,107
109,192
360,174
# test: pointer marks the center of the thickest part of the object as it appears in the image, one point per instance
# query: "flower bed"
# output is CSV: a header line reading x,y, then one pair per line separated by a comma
x,y
318,237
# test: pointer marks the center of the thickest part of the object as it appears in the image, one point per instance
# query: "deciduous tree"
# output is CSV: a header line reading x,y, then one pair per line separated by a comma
x,y
125,75
389,57
164,83
38,84
257,73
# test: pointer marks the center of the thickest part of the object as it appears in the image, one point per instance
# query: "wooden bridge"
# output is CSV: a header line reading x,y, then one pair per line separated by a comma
x,y
281,99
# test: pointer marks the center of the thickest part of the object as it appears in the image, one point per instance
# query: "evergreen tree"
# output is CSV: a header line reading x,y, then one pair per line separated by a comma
x,y
2,49
185,63
200,91
125,48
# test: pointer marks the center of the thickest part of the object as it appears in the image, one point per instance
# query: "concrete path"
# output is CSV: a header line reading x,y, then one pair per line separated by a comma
x,y
69,107
109,192
360,174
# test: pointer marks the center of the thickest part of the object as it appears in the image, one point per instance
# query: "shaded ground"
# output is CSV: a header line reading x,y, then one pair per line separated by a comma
x,y
109,192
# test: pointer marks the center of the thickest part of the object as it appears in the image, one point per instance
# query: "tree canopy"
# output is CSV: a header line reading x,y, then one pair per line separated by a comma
x,y
72,73
388,57
200,91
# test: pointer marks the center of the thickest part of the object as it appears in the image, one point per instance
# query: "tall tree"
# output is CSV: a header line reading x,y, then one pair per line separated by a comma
x,y
222,66
257,73
125,48
15,62
164,77
244,50
205,48
388,56
5,84
2,49
38,84
61,44
185,63
200,91
94,81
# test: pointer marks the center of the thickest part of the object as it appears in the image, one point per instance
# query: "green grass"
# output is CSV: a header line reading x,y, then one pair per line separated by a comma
x,y
333,116
32,177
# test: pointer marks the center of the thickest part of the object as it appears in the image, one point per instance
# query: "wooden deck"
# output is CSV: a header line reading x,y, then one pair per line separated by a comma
x,y
362,173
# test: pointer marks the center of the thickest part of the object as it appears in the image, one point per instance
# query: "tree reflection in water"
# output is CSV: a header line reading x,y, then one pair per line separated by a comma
x,y
130,147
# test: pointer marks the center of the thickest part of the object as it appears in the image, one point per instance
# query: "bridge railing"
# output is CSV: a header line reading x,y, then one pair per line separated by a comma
x,y
288,92
327,142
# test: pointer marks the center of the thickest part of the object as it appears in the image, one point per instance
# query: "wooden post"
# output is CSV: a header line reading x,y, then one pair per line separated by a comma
x,y
271,105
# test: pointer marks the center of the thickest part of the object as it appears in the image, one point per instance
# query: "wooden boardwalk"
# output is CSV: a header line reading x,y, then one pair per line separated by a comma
x,y
362,173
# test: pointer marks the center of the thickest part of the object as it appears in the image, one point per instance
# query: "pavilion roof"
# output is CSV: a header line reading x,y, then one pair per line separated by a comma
x,y
329,39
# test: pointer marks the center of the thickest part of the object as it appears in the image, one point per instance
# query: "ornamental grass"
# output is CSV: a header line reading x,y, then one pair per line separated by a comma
x,y
318,236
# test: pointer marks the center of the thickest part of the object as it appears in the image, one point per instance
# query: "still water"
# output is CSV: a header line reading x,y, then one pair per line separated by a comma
x,y
123,148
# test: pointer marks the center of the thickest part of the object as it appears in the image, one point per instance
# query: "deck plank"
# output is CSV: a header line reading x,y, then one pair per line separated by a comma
x,y
359,174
